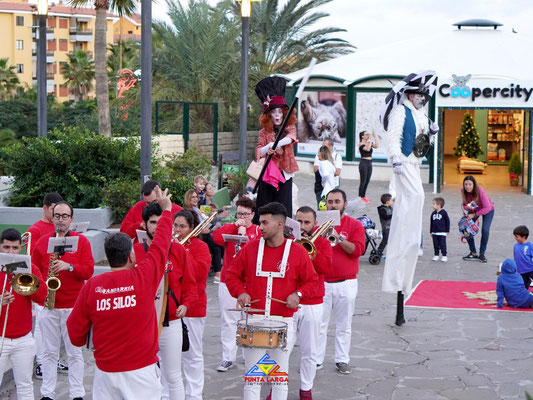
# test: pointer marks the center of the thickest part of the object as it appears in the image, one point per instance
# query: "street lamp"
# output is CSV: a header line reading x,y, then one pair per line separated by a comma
x,y
246,9
42,12
146,90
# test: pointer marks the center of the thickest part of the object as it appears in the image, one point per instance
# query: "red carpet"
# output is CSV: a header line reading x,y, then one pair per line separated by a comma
x,y
449,294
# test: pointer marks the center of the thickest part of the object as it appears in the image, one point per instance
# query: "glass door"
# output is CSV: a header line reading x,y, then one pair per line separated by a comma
x,y
526,152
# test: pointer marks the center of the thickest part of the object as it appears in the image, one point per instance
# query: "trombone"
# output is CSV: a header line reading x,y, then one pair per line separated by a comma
x,y
199,228
309,245
24,284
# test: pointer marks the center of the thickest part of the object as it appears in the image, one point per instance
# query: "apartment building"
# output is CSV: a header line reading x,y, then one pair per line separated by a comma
x,y
68,28
129,26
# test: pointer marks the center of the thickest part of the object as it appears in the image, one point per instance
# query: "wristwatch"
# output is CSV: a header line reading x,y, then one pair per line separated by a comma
x,y
299,294
71,267
341,238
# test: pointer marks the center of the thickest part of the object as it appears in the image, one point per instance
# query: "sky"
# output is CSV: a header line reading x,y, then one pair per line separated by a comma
x,y
370,23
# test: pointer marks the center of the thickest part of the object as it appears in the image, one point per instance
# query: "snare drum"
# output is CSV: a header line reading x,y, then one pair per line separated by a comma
x,y
262,334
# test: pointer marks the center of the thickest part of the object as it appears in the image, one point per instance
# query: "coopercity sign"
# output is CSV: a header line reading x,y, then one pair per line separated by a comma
x,y
447,90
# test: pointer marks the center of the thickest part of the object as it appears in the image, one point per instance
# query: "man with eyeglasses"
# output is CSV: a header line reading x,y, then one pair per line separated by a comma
x,y
73,269
134,218
228,324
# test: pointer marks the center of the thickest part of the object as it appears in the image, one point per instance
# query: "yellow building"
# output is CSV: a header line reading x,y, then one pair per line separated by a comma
x,y
129,26
68,28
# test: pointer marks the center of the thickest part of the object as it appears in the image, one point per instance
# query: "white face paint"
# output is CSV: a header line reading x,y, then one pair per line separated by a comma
x,y
277,116
418,101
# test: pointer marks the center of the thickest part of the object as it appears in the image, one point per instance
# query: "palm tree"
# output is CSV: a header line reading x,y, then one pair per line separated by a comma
x,y
100,56
8,79
283,39
196,58
79,73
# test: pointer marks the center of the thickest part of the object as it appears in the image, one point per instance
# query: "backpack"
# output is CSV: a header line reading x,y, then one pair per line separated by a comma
x,y
467,228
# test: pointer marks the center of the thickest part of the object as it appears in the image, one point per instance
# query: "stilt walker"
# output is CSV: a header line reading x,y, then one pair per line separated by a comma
x,y
409,135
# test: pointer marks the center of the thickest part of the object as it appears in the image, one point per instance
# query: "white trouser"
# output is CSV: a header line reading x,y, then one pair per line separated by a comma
x,y
193,360
139,384
18,353
405,231
307,321
37,334
170,343
228,323
252,391
53,325
339,299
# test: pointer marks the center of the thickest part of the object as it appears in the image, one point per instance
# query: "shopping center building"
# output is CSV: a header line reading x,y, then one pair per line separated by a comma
x,y
484,70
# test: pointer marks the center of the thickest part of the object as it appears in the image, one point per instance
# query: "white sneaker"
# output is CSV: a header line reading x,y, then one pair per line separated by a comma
x,y
435,258
444,259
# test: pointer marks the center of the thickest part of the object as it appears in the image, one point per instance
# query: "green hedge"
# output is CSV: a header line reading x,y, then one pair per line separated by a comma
x,y
76,163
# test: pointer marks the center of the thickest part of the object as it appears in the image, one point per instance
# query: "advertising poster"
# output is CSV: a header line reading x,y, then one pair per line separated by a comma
x,y
367,109
321,115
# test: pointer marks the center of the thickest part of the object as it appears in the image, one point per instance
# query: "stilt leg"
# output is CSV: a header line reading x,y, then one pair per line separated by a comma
x,y
400,320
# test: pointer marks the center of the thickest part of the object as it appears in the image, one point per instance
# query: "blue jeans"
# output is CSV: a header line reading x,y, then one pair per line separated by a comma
x,y
485,231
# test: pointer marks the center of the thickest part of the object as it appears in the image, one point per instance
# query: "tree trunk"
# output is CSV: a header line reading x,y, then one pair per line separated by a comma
x,y
100,72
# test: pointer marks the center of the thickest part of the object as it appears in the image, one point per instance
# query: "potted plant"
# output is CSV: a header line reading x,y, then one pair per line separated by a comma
x,y
515,169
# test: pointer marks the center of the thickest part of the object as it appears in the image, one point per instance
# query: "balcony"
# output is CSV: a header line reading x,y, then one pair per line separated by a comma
x,y
80,35
49,83
50,59
49,34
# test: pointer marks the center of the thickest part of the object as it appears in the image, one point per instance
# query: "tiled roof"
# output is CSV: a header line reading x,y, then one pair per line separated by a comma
x,y
55,9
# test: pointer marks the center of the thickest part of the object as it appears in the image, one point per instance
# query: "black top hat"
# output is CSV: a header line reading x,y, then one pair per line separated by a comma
x,y
271,92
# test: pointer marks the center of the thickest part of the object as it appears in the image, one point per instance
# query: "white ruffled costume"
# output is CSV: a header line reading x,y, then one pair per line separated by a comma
x,y
406,224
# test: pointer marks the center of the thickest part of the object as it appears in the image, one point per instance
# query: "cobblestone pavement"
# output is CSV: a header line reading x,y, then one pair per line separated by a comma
x,y
437,354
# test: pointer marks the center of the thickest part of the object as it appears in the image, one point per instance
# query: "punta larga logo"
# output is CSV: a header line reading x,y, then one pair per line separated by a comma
x,y
266,370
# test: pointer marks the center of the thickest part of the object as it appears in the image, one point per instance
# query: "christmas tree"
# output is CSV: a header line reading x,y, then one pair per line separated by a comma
x,y
468,139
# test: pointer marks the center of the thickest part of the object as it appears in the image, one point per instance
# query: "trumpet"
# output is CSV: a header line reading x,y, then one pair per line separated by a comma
x,y
196,231
24,284
333,239
53,283
309,245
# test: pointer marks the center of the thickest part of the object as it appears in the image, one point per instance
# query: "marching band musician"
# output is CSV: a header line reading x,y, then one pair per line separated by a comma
x,y
42,227
45,224
292,277
119,307
309,317
341,282
73,269
19,345
228,319
181,283
184,223
133,219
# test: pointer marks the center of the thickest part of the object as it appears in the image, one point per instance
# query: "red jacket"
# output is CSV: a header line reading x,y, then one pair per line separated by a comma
x,y
201,263
180,277
19,319
119,306
344,265
252,232
300,276
322,264
38,229
71,282
134,218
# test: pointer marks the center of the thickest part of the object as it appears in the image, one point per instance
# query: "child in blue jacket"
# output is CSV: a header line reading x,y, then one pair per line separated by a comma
x,y
511,287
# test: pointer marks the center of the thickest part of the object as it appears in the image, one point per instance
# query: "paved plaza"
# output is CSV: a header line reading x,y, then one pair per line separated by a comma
x,y
437,354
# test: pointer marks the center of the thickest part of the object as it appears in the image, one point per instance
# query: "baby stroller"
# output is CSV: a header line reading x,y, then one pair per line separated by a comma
x,y
371,236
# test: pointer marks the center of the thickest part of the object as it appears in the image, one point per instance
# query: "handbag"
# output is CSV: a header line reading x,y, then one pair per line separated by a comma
x,y
185,344
254,169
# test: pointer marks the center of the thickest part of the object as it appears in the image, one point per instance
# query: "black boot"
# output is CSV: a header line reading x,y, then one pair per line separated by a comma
x,y
400,320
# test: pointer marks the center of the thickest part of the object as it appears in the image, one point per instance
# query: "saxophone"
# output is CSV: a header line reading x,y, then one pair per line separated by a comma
x,y
52,282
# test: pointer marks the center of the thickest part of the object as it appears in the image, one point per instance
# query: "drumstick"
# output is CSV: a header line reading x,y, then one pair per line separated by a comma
x,y
279,301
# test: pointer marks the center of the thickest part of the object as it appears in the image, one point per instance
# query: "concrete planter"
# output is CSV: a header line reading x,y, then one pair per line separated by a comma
x,y
99,218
